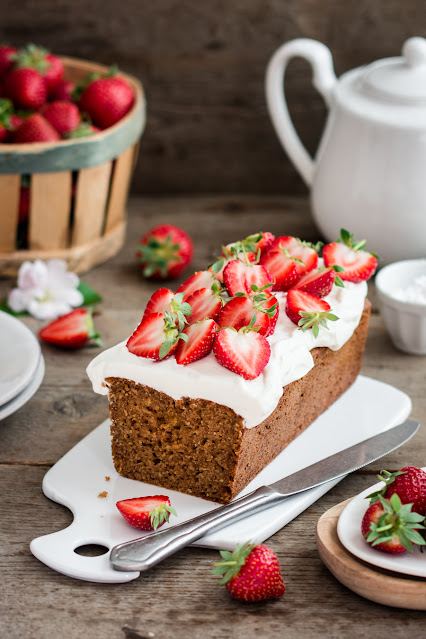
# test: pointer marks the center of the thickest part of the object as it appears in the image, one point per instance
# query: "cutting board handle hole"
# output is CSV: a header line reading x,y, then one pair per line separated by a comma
x,y
91,550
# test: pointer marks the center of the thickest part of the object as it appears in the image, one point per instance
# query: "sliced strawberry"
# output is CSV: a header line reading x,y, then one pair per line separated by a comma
x,y
72,330
244,352
239,312
156,337
251,245
205,303
146,513
308,311
201,337
282,269
200,279
239,277
304,254
159,302
358,265
319,282
218,267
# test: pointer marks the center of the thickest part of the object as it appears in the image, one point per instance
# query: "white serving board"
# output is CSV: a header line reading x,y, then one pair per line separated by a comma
x,y
76,480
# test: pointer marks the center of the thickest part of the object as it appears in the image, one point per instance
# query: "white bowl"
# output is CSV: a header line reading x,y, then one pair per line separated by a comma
x,y
405,321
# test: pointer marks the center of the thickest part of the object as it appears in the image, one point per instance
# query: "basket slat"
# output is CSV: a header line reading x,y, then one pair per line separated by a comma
x,y
90,202
119,188
10,192
50,210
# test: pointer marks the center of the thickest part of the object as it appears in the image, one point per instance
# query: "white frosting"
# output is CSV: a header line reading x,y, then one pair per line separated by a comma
x,y
206,379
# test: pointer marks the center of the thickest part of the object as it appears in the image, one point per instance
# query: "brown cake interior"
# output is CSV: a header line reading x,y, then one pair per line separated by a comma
x,y
198,447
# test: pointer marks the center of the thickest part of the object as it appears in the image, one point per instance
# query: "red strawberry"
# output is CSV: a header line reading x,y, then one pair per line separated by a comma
x,y
164,252
252,244
63,91
308,311
282,269
200,279
304,254
106,100
358,265
239,312
35,128
201,337
319,282
63,116
26,88
159,302
392,527
83,130
7,58
156,337
217,268
409,484
54,72
239,277
251,573
244,352
205,303
39,59
146,513
72,330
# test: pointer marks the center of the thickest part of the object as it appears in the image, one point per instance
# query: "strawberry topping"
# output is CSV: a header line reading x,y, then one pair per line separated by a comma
x,y
319,282
308,311
201,337
239,277
205,304
240,310
244,352
160,302
358,265
200,279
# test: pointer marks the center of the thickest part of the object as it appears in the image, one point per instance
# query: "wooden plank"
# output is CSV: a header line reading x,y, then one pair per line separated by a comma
x,y
119,189
90,202
50,209
9,192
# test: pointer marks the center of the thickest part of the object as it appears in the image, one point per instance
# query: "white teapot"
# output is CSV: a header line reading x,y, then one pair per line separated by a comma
x,y
369,174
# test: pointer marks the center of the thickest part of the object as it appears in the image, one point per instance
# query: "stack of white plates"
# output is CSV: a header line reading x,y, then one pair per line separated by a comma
x,y
21,364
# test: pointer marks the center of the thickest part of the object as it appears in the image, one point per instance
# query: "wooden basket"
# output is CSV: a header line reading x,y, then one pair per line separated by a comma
x,y
78,189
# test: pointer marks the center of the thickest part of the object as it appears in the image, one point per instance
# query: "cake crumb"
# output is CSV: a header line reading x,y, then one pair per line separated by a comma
x,y
103,494
107,478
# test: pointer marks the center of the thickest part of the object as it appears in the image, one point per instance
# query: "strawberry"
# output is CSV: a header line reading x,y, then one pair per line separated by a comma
x,y
200,279
35,128
252,244
244,352
7,58
72,330
156,337
146,513
83,130
217,268
392,527
308,311
319,281
164,252
409,484
358,265
6,111
106,99
205,303
201,337
26,88
41,60
239,311
304,254
159,301
251,573
282,269
63,91
63,116
240,276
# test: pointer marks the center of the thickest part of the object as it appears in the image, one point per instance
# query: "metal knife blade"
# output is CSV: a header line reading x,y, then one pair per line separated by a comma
x,y
141,554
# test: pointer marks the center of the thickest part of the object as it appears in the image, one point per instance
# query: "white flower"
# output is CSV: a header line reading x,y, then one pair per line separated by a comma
x,y
45,289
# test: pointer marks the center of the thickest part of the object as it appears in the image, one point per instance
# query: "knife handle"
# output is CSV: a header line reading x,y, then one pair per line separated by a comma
x,y
141,554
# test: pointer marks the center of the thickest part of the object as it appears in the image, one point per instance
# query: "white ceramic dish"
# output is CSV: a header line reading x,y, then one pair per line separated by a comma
x,y
349,533
24,396
76,480
405,321
19,356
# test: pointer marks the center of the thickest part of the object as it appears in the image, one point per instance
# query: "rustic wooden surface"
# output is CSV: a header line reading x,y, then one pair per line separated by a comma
x,y
202,65
179,598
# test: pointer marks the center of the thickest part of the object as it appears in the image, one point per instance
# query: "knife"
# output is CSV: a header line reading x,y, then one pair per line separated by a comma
x,y
141,554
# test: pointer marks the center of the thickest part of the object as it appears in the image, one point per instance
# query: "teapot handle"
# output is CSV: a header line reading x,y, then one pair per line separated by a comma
x,y
324,79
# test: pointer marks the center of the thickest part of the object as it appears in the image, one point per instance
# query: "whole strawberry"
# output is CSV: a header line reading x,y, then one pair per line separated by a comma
x,y
63,116
146,513
46,63
106,100
409,484
164,252
392,527
251,573
7,56
35,128
63,91
26,88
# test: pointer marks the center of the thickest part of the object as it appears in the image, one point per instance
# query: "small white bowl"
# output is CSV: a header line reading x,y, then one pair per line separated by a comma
x,y
405,321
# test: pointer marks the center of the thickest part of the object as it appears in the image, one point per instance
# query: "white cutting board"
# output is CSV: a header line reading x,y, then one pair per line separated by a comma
x,y
76,480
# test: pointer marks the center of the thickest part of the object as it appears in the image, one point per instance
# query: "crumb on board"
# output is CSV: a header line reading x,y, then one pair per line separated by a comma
x,y
103,494
107,478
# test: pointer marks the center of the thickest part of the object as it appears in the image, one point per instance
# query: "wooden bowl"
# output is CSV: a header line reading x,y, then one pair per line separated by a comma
x,y
78,189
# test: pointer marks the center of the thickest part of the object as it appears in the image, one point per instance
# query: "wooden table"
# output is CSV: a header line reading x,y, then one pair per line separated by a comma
x,y
179,598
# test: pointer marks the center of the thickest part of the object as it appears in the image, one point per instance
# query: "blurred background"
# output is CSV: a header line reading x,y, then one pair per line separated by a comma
x,y
202,65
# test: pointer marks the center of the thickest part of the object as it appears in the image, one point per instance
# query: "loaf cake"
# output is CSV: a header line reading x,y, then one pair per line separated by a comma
x,y
204,430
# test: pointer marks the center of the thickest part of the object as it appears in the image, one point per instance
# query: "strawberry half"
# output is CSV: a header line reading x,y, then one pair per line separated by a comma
x,y
251,573
200,279
244,352
159,301
240,310
146,513
72,330
282,269
164,252
319,282
308,311
252,244
205,303
201,337
304,254
239,277
156,337
358,265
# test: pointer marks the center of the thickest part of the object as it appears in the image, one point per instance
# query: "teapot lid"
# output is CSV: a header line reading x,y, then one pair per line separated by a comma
x,y
402,79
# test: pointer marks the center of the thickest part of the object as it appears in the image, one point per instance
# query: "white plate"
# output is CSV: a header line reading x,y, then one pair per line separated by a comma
x,y
20,355
76,480
349,533
24,396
